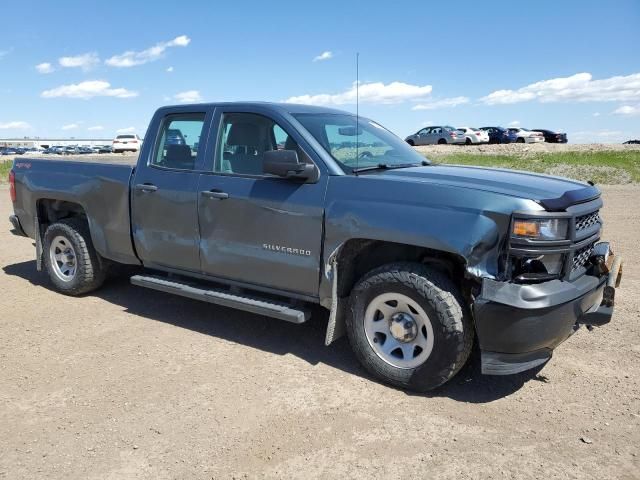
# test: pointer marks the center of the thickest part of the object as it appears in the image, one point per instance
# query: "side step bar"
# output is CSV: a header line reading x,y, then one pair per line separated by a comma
x,y
259,306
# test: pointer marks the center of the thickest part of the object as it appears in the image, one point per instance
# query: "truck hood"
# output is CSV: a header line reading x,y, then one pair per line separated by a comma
x,y
553,193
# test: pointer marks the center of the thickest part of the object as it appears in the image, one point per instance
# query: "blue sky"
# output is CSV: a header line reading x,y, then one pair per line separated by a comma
x,y
76,69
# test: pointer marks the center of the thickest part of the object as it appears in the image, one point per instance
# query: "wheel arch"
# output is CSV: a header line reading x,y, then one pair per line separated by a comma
x,y
358,256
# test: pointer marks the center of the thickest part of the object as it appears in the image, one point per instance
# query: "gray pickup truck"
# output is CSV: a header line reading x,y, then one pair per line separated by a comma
x,y
271,208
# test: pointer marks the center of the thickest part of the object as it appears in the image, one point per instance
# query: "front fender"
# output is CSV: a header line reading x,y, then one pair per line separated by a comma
x,y
470,224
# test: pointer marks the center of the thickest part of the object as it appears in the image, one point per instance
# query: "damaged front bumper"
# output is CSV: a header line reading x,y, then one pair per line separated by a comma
x,y
519,325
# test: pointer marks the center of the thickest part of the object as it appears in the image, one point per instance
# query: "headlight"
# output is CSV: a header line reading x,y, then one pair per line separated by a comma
x,y
541,229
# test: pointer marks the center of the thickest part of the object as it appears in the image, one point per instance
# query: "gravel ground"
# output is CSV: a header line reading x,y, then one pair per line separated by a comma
x,y
519,149
131,383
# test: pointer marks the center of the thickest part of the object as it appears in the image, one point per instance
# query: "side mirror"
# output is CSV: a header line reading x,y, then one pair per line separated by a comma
x,y
285,163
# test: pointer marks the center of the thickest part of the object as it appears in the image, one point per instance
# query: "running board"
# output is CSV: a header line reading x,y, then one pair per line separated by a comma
x,y
259,306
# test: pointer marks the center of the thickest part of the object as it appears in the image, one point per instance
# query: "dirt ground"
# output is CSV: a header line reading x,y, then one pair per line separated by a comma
x,y
524,150
132,383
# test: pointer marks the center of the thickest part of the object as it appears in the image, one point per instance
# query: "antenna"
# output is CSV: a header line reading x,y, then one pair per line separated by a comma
x,y
357,109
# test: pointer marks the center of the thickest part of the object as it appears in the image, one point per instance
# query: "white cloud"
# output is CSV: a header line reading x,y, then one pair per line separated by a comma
x,y
88,89
131,58
86,61
71,126
44,67
95,128
126,130
442,103
628,110
4,53
377,92
17,125
577,88
515,123
170,69
190,96
596,114
323,56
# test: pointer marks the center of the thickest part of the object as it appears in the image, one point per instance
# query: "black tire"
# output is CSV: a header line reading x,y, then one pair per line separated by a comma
x,y
442,141
91,269
520,140
411,142
441,300
468,141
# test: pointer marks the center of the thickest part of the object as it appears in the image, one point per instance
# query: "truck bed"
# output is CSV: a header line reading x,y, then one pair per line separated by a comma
x,y
104,158
99,186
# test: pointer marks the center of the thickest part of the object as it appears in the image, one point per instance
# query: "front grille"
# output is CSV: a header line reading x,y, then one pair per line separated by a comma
x,y
581,256
585,221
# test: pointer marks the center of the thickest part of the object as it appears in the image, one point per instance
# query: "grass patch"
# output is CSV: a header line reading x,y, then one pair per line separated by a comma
x,y
611,167
5,166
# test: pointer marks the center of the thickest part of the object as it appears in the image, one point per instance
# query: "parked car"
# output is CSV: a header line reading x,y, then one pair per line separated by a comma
x,y
436,135
474,136
552,137
9,151
500,135
85,150
174,137
526,136
126,143
70,150
101,149
416,262
54,150
632,142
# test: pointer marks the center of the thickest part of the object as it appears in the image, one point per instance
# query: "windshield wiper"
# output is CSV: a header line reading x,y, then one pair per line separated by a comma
x,y
389,166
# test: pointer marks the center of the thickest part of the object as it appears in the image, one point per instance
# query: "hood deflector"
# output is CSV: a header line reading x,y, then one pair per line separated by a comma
x,y
571,197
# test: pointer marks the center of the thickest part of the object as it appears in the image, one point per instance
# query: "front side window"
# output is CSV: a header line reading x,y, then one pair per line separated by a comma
x,y
179,141
243,140
358,143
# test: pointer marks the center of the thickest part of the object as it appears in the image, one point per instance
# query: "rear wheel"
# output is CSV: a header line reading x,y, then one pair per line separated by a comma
x,y
468,141
520,140
442,141
409,326
411,142
72,263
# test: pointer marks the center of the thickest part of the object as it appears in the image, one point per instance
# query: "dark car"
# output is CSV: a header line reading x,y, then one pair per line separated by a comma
x,y
174,137
552,137
632,142
499,135
9,151
417,263
84,150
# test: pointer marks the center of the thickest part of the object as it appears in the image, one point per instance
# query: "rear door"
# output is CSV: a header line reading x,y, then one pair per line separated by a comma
x,y
164,199
258,229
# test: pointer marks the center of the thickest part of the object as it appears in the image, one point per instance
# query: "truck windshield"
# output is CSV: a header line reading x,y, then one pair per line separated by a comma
x,y
358,145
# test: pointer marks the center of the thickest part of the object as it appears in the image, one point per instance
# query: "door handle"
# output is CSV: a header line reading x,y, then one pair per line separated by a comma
x,y
215,194
146,187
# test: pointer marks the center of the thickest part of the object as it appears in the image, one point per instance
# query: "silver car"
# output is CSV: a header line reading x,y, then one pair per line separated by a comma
x,y
436,136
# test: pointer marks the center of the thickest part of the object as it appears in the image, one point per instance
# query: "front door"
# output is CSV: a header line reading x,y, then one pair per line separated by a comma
x,y
255,228
164,195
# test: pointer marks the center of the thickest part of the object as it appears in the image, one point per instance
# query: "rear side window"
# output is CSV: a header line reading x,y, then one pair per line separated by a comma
x,y
179,141
126,137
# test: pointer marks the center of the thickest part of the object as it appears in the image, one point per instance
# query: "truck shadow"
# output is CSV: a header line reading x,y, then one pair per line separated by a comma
x,y
305,341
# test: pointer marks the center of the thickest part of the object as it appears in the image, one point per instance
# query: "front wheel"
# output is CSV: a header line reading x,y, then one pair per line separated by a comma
x,y
409,326
72,263
411,142
520,140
